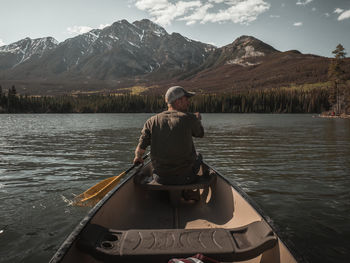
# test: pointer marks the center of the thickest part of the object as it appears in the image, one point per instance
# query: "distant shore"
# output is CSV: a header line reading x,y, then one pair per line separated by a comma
x,y
330,116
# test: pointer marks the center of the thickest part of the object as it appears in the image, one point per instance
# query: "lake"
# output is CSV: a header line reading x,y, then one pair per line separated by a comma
x,y
296,167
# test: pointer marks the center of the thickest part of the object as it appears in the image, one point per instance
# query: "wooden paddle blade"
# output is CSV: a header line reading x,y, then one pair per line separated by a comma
x,y
94,194
96,188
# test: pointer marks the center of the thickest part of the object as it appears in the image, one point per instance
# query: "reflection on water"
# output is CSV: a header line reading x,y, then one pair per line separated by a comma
x,y
294,166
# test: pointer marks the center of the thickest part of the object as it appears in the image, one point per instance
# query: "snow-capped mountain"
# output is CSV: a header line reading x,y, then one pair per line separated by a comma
x,y
120,50
143,53
20,51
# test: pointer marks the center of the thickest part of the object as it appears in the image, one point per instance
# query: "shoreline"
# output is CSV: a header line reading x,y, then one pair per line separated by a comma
x,y
341,116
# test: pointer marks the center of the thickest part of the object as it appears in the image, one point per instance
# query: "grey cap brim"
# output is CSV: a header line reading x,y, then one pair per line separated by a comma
x,y
189,94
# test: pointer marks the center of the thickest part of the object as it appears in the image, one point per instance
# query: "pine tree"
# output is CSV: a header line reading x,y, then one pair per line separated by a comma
x,y
11,99
13,91
336,76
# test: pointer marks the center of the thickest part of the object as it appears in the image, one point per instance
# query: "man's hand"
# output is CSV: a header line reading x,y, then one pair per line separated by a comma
x,y
138,155
138,160
198,115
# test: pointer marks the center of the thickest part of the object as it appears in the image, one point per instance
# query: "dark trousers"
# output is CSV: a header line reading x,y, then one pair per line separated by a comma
x,y
188,177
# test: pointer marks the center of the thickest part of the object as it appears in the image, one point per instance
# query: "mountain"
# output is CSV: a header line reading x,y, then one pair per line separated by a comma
x,y
274,70
244,51
142,53
118,51
248,63
20,51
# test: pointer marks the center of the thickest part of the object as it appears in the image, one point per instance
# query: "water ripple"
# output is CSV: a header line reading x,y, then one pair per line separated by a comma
x,y
294,166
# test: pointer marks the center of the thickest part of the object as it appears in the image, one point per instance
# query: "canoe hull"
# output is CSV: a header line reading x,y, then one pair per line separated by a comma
x,y
223,206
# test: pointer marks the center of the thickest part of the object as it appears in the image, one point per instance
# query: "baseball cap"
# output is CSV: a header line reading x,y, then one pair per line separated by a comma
x,y
177,92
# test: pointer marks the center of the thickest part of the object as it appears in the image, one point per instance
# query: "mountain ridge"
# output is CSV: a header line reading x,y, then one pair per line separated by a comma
x,y
135,49
22,50
142,53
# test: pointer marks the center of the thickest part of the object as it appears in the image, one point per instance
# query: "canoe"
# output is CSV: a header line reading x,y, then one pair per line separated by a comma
x,y
142,221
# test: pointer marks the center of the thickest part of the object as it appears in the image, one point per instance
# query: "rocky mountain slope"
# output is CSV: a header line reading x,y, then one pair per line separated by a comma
x,y
120,50
276,70
142,53
20,51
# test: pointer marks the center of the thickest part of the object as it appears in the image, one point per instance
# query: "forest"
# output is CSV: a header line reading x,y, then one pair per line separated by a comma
x,y
283,100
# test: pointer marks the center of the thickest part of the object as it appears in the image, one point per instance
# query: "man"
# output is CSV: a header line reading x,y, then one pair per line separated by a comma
x,y
169,134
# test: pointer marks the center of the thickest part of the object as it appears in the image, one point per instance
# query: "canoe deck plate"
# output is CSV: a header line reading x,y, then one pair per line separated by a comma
x,y
160,245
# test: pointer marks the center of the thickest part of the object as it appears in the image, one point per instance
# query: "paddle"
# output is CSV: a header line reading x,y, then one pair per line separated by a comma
x,y
94,194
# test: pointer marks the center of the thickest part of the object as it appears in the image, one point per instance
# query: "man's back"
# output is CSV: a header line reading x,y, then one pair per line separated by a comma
x,y
170,135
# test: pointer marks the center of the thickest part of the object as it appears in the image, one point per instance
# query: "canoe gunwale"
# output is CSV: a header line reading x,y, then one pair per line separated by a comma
x,y
266,218
68,242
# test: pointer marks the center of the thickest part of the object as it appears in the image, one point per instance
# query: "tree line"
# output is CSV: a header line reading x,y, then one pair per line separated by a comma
x,y
287,100
331,100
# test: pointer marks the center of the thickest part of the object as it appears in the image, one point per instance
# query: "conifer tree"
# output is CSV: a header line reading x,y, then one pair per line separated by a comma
x,y
11,99
13,90
336,76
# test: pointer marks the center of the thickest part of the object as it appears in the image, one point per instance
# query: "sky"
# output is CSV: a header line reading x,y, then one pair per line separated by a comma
x,y
310,26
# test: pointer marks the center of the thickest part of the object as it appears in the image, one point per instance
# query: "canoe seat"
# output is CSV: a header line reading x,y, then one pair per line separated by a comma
x,y
175,191
160,245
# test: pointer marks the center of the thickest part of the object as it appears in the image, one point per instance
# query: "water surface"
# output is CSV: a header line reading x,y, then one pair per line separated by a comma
x,y
296,167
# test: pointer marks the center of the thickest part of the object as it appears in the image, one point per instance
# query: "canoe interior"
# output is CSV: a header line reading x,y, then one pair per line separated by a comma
x,y
221,206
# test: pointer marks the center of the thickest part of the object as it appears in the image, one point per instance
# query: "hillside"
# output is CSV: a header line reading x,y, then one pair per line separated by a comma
x,y
143,55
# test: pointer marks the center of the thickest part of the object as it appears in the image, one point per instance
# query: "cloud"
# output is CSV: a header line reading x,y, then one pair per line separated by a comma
x,y
304,3
238,11
298,24
101,26
327,14
164,12
338,10
2,43
74,30
78,29
199,15
275,16
344,15
313,9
